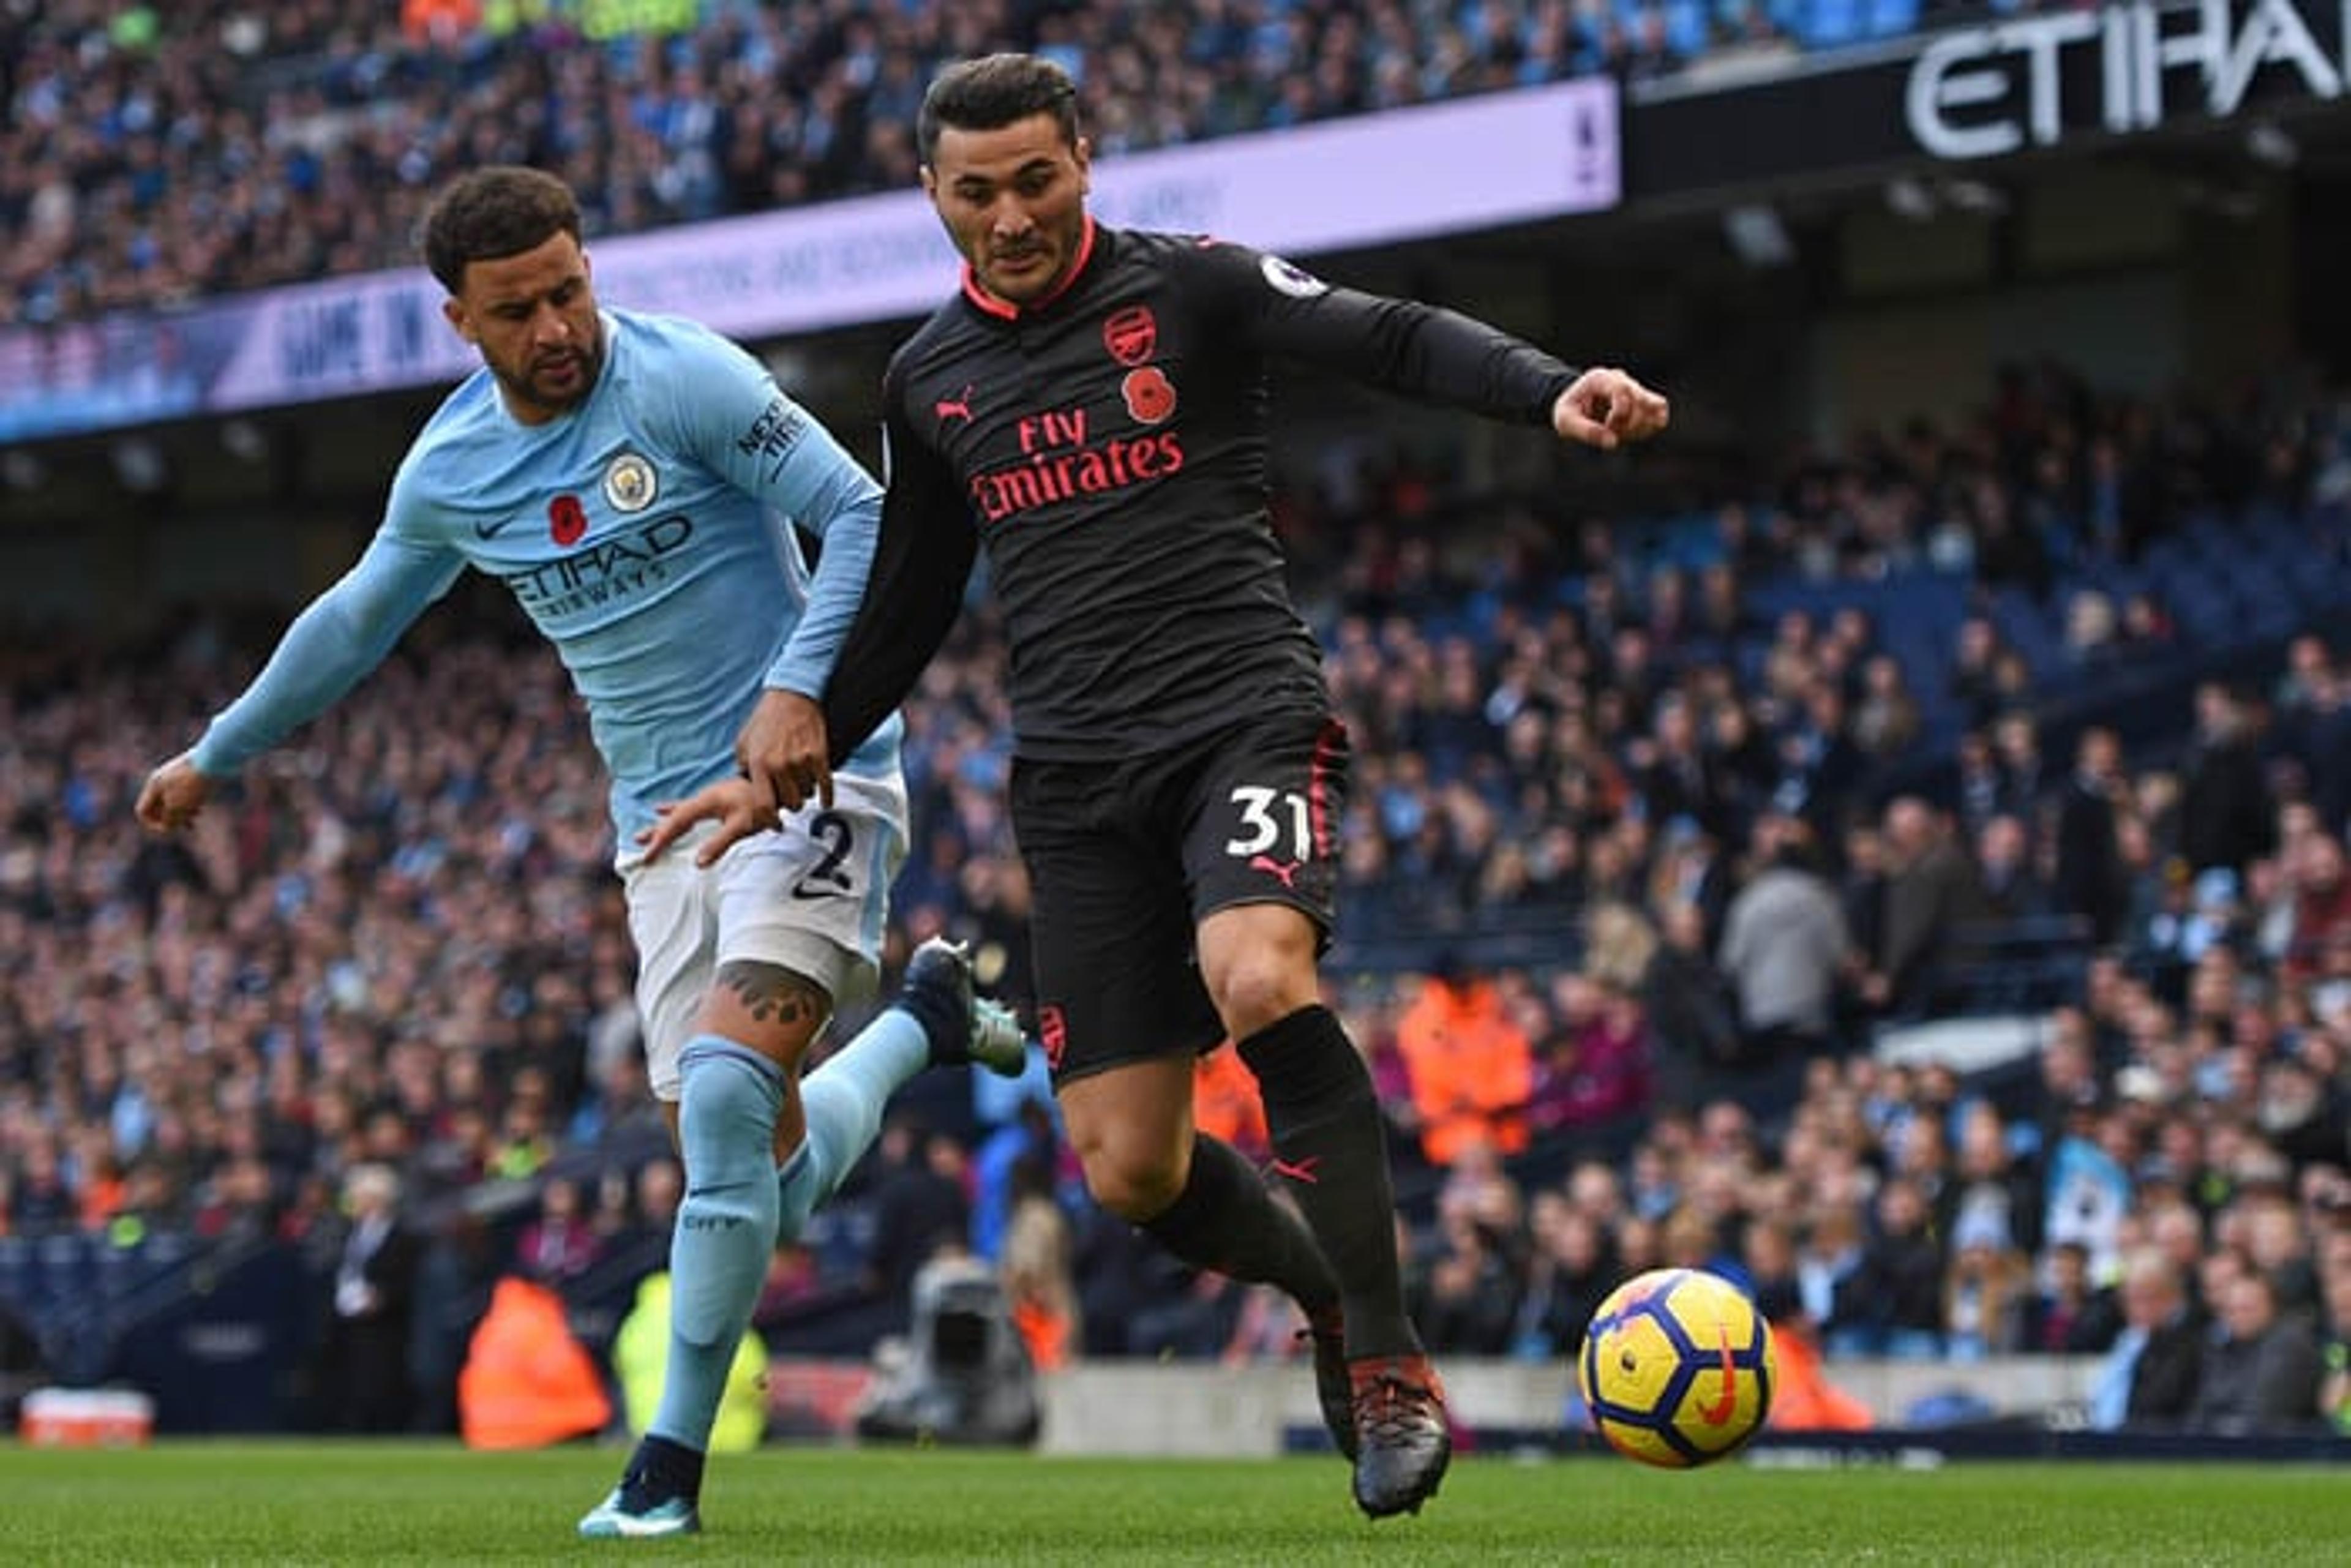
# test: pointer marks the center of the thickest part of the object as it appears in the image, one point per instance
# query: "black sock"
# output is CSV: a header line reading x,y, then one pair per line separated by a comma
x,y
1226,1220
1329,1140
662,1469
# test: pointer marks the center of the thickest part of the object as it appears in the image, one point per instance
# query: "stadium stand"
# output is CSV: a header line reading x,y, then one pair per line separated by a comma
x,y
399,945
153,154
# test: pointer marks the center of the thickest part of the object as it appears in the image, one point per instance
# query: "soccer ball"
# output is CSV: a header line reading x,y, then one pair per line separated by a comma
x,y
1676,1368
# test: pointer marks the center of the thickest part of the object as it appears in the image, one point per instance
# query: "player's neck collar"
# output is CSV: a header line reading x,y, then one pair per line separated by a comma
x,y
1005,310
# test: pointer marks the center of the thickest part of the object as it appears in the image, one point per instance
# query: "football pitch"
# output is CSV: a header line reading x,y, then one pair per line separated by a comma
x,y
299,1502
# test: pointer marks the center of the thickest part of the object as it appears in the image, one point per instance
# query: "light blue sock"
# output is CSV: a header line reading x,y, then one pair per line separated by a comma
x,y
843,1101
726,1226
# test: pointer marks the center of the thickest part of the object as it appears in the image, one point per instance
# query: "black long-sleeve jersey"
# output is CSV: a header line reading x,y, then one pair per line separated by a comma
x,y
1108,445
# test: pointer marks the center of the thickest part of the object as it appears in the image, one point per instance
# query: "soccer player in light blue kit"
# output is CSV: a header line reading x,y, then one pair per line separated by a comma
x,y
627,476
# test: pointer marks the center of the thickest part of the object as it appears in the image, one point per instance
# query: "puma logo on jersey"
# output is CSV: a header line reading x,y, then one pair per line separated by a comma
x,y
1285,870
957,407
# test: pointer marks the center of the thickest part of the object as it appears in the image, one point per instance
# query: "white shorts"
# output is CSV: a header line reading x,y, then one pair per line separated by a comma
x,y
811,897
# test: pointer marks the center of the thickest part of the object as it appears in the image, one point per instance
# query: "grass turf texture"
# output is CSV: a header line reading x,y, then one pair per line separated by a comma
x,y
318,1503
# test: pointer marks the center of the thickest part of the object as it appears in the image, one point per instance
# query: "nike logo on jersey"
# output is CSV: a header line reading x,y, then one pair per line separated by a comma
x,y
482,531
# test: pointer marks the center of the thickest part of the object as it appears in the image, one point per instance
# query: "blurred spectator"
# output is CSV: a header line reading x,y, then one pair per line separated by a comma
x,y
2225,812
364,1376
1893,1299
2150,1376
1784,945
2320,883
2011,887
2260,1374
1035,1269
919,1205
1690,1007
1472,1068
1931,894
1595,1065
560,1245
2335,1391
1571,1272
2071,1314
1985,1294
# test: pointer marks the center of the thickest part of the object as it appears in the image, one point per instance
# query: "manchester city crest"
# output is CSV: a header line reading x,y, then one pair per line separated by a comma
x,y
630,484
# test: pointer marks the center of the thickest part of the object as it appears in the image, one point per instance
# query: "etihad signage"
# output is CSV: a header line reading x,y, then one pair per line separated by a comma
x,y
1983,92
2055,80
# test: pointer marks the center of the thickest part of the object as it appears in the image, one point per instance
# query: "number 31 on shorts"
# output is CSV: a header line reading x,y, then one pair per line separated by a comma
x,y
1265,816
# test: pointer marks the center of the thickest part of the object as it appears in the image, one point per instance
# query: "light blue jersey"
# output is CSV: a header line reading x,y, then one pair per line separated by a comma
x,y
643,531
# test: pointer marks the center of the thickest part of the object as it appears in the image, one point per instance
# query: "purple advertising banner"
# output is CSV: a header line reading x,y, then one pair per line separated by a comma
x,y
1482,162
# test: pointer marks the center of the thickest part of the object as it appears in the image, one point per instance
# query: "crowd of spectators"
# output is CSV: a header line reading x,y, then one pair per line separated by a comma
x,y
153,154
396,950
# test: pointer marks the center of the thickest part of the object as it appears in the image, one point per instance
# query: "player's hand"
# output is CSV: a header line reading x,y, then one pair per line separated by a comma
x,y
172,797
784,751
1607,408
737,805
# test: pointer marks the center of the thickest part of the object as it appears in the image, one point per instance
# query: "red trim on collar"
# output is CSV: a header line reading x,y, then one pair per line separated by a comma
x,y
1004,311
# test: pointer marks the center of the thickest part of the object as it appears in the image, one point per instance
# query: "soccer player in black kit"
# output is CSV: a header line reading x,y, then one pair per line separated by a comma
x,y
1091,407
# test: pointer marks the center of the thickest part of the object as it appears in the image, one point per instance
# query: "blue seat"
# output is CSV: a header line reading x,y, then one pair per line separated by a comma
x,y
1686,28
1831,23
1893,18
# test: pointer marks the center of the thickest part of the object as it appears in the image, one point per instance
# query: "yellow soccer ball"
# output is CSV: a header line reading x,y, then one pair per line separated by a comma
x,y
1676,1368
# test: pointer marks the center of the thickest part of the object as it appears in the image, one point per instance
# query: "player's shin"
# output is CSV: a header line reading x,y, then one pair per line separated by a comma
x,y
1227,1220
726,1226
1329,1141
843,1101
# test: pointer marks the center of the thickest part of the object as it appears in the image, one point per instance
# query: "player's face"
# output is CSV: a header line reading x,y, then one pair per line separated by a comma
x,y
1014,201
533,316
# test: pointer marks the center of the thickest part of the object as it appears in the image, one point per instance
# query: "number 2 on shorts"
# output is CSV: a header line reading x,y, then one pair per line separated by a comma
x,y
828,878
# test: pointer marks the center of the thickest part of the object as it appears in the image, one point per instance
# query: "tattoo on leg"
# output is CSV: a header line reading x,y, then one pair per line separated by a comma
x,y
774,995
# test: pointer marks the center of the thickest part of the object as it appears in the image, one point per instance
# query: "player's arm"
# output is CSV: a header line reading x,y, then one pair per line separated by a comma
x,y
739,422
344,633
921,562
1421,351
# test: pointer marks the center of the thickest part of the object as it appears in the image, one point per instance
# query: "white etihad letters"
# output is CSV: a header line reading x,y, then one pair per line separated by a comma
x,y
1982,92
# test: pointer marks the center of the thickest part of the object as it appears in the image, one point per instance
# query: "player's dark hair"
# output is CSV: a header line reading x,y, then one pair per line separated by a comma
x,y
499,210
992,92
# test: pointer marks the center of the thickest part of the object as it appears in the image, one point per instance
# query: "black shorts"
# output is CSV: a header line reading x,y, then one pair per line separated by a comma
x,y
1126,857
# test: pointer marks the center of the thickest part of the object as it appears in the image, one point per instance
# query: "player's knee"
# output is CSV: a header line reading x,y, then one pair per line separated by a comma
x,y
728,1100
1130,1179
1254,991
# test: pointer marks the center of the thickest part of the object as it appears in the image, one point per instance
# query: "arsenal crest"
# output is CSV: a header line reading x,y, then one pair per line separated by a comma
x,y
1131,335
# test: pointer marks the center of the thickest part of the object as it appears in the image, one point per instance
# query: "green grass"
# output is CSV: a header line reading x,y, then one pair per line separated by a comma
x,y
316,1503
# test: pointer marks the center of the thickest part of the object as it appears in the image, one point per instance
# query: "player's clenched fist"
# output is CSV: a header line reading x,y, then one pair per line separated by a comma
x,y
1606,407
172,797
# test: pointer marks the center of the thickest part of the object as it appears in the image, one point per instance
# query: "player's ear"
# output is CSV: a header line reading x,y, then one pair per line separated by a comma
x,y
460,321
1084,154
930,181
